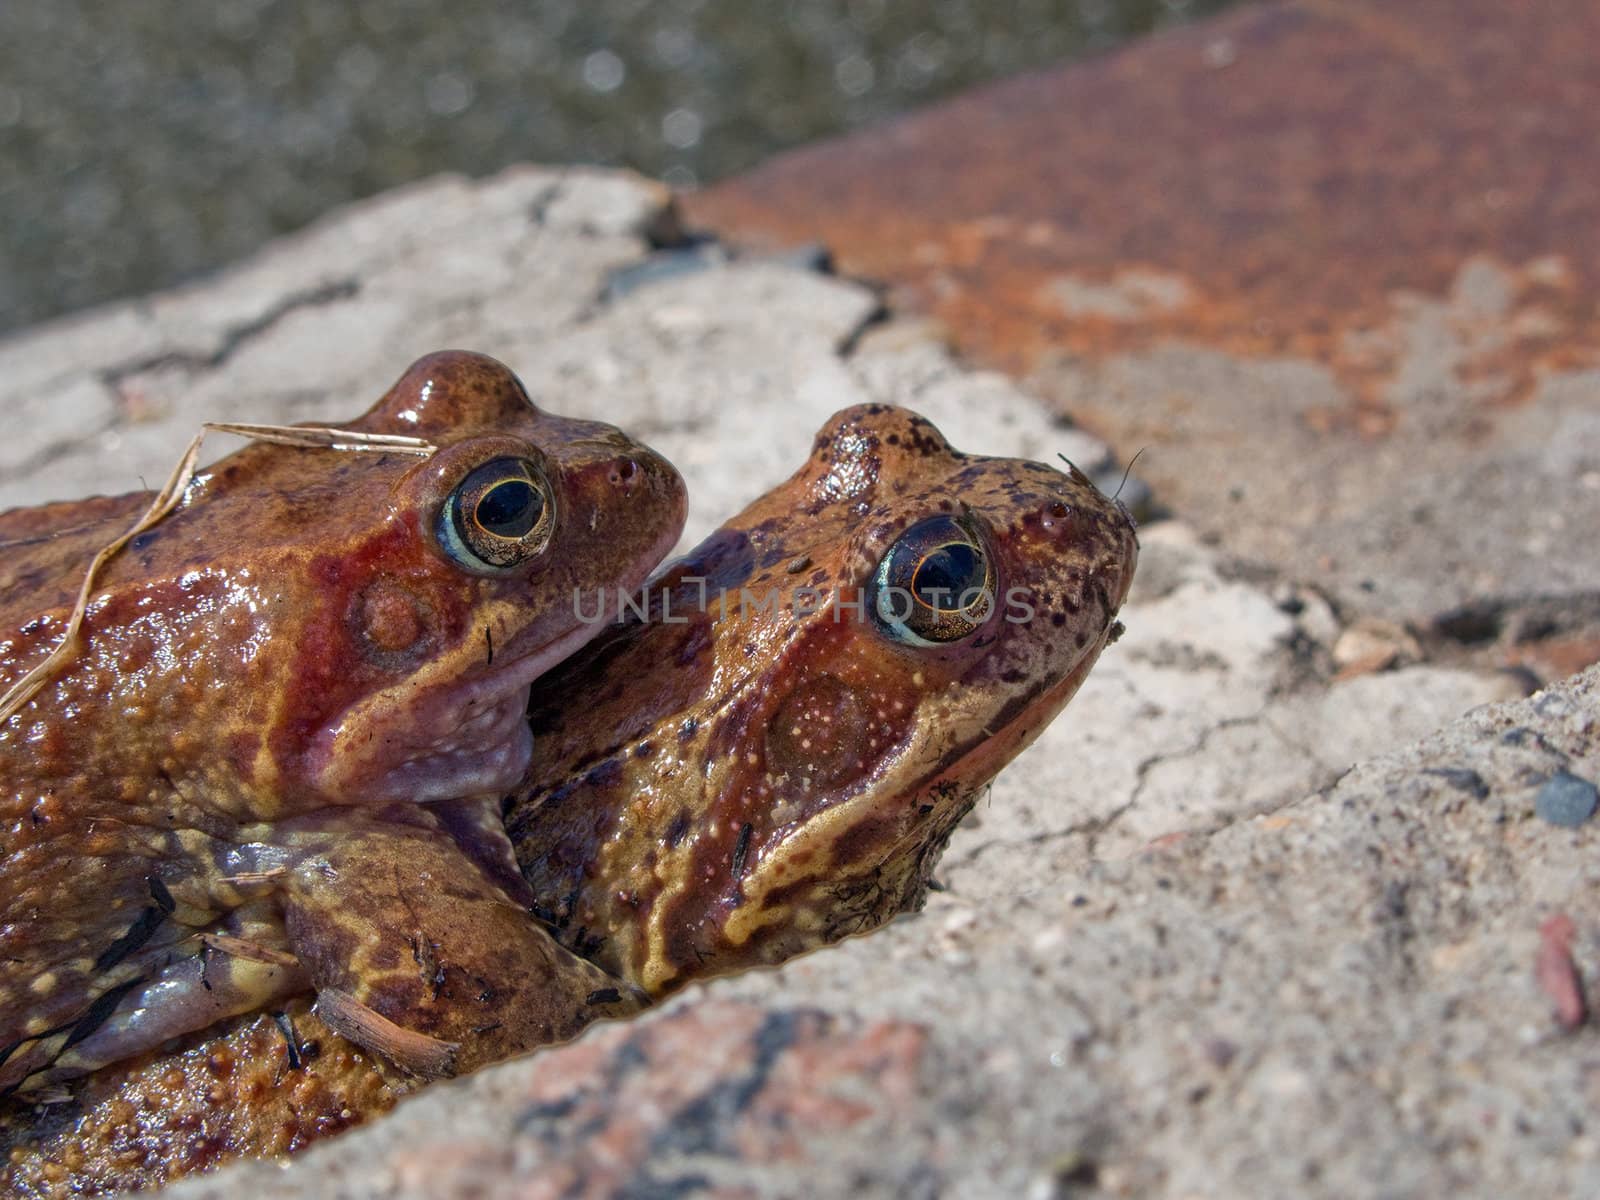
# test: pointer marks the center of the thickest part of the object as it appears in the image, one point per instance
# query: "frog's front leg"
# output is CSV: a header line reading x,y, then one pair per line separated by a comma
x,y
417,951
186,982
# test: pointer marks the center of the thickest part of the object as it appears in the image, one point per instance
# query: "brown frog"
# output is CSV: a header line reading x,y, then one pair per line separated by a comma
x,y
274,762
770,757
788,756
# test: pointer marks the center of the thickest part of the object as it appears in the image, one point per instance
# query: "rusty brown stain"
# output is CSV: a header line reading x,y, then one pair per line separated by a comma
x,y
1290,178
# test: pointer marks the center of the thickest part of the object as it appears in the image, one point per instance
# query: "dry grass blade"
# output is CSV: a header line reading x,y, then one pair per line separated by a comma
x,y
166,500
322,437
412,1051
308,436
235,947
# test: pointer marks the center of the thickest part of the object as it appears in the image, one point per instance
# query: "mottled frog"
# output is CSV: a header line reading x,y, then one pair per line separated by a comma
x,y
275,763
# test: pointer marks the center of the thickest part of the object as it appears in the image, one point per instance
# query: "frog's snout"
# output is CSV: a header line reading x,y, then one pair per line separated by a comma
x,y
640,476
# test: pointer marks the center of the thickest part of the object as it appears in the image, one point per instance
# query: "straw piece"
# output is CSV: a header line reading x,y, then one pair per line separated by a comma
x,y
235,947
322,437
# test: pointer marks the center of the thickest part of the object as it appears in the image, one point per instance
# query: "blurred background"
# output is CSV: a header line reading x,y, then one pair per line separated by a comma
x,y
142,144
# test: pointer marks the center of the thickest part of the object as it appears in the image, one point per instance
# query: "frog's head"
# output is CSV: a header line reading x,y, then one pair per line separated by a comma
x,y
469,583
314,626
882,634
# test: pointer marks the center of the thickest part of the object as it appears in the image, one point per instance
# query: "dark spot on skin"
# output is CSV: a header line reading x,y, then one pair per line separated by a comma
x,y
644,750
488,641
677,830
606,775
138,934
695,643
687,729
290,1041
740,849
603,996
102,1008
1013,676
142,541
1058,619
924,809
159,893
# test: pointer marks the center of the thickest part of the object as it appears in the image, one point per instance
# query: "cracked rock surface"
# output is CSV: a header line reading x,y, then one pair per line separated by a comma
x,y
1186,946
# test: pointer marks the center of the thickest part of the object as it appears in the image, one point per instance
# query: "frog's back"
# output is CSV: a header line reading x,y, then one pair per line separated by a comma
x,y
44,550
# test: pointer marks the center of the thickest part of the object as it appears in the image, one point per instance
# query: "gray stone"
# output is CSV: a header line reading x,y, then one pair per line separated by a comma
x,y
1565,800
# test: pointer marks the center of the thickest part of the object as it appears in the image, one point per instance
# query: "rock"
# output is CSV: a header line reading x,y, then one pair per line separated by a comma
x,y
1306,255
1565,800
1354,993
1372,644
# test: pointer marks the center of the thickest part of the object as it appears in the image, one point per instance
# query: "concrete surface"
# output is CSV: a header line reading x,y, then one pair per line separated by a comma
x,y
1184,949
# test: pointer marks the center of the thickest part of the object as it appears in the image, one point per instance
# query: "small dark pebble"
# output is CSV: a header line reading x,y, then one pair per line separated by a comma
x,y
662,266
1462,779
1566,800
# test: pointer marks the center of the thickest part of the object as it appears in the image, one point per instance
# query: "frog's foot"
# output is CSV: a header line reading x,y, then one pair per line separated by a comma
x,y
417,953
207,978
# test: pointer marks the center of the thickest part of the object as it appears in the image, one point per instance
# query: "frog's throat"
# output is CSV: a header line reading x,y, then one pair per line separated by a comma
x,y
464,738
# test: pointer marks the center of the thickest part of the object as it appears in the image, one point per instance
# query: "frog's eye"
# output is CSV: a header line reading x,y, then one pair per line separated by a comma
x,y
935,584
498,517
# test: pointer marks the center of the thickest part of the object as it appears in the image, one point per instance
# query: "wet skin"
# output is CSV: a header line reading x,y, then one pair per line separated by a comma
x,y
722,784
274,766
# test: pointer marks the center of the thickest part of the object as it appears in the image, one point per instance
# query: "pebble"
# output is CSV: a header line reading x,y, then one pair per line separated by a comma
x,y
1566,800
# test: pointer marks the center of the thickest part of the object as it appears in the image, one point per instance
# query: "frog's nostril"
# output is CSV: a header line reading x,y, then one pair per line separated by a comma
x,y
1054,514
623,472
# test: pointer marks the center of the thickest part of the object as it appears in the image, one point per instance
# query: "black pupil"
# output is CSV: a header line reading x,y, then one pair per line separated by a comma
x,y
509,509
944,575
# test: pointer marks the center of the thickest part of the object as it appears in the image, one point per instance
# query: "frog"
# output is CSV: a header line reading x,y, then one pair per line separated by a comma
x,y
813,701
767,753
273,762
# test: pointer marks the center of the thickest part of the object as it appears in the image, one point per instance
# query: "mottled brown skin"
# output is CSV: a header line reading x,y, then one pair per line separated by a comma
x,y
274,765
268,1084
662,742
775,782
